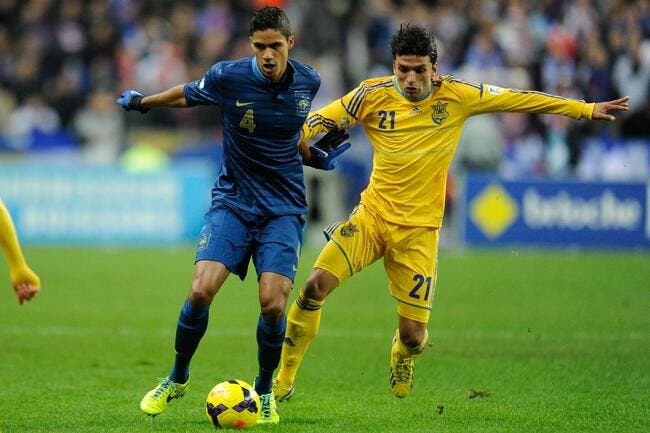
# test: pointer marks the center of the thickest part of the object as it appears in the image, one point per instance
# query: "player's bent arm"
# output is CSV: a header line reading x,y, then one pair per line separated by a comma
x,y
336,115
24,281
323,153
170,98
9,239
303,148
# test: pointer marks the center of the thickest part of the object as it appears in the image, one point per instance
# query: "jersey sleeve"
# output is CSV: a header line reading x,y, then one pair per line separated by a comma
x,y
480,98
340,114
315,84
207,90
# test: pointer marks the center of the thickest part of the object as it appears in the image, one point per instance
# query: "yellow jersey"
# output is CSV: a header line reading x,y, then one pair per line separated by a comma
x,y
415,141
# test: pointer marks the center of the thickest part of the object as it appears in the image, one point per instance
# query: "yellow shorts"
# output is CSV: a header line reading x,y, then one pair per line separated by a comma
x,y
410,258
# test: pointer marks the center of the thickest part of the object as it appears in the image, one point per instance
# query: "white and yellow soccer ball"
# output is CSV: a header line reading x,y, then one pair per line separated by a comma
x,y
233,404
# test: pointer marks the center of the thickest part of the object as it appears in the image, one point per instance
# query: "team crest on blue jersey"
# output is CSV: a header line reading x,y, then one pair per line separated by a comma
x,y
204,240
348,230
303,102
440,113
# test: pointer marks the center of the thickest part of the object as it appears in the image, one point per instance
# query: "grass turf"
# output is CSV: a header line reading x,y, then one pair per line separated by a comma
x,y
523,342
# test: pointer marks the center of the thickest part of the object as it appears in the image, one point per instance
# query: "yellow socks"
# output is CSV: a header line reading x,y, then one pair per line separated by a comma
x,y
303,322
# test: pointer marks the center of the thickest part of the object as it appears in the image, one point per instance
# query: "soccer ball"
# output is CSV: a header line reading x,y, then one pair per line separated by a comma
x,y
233,404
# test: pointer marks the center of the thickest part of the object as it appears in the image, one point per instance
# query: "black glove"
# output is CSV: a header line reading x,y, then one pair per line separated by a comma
x,y
327,149
130,100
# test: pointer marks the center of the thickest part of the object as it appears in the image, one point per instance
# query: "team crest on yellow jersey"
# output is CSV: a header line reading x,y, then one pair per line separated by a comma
x,y
348,230
440,113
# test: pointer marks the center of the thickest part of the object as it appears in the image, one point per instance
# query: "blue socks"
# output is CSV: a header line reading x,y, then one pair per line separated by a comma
x,y
192,323
270,336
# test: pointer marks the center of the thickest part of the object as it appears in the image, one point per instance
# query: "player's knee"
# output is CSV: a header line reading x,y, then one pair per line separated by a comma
x,y
272,309
411,339
319,284
412,333
200,297
201,293
312,290
273,298
208,277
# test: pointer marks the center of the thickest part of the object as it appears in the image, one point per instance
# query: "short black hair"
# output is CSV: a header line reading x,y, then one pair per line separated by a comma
x,y
271,17
414,40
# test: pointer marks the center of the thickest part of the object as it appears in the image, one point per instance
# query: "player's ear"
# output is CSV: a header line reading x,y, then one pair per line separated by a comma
x,y
291,41
434,69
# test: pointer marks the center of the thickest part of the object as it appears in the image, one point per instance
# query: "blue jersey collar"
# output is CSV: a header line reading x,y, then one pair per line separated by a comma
x,y
288,77
402,93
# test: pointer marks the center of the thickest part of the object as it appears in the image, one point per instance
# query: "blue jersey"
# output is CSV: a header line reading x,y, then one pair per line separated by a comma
x,y
262,168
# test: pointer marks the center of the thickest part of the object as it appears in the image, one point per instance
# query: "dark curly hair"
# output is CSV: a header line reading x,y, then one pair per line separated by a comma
x,y
415,40
270,17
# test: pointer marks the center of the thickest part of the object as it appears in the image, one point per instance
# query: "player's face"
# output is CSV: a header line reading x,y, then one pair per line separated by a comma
x,y
271,52
413,74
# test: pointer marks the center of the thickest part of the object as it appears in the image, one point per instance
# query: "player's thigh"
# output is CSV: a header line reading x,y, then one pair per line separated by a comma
x,y
352,245
227,239
278,245
411,266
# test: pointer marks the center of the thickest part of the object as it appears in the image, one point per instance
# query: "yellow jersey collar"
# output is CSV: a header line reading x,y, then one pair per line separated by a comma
x,y
403,95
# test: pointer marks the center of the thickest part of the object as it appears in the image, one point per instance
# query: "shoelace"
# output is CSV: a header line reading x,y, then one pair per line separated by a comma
x,y
165,383
403,370
266,405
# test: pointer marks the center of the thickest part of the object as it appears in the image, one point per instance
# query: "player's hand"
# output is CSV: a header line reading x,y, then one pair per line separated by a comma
x,y
130,100
602,109
26,283
327,149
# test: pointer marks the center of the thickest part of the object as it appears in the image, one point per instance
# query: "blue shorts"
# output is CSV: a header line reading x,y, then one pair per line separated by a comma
x,y
233,237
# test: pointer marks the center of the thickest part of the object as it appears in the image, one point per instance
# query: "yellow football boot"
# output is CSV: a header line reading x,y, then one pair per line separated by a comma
x,y
269,411
280,393
156,401
401,372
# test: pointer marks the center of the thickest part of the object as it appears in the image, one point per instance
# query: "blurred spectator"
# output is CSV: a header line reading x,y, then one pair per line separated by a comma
x,y
32,116
484,52
59,50
480,146
99,126
631,72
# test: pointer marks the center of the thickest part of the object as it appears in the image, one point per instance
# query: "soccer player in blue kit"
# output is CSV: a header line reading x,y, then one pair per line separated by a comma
x,y
258,198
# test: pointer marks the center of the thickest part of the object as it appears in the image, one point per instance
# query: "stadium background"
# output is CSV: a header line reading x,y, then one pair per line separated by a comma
x,y
108,204
64,62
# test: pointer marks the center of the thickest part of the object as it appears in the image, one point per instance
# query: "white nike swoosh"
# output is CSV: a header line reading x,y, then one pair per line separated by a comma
x,y
242,104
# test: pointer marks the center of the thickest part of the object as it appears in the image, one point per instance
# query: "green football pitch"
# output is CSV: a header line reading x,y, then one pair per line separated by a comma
x,y
523,341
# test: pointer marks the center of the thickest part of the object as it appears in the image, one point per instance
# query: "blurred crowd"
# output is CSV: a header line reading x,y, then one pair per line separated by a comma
x,y
63,63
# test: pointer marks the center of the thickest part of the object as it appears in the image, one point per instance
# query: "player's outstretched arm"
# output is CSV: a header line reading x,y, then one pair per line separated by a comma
x,y
171,98
25,282
602,109
323,153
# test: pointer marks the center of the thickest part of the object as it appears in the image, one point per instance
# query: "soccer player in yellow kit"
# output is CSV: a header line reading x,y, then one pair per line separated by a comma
x,y
414,120
25,282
